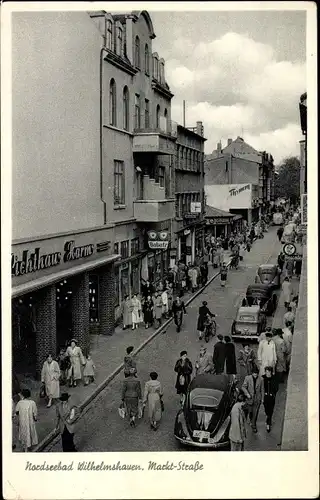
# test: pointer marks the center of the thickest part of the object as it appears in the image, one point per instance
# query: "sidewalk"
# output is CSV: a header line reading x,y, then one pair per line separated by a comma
x,y
107,353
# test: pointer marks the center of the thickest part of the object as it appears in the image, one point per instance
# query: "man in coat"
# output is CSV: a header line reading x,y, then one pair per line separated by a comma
x,y
280,353
203,312
219,355
267,353
287,337
253,389
66,420
131,395
237,433
204,362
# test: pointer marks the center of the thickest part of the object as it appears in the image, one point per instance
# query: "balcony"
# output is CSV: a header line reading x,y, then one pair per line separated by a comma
x,y
154,206
159,140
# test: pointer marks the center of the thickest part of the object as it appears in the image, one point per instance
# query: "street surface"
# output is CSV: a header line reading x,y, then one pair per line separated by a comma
x,y
101,428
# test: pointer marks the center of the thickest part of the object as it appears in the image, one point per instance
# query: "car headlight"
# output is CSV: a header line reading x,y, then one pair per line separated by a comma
x,y
221,432
182,427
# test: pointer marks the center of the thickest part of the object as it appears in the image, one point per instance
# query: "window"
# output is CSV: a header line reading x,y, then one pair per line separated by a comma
x,y
124,249
161,76
137,52
162,171
166,118
146,114
158,116
119,183
135,276
120,41
155,68
93,298
134,246
116,248
146,59
126,108
113,103
109,34
137,111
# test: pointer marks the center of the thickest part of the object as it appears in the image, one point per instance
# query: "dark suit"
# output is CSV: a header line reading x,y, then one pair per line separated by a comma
x,y
219,356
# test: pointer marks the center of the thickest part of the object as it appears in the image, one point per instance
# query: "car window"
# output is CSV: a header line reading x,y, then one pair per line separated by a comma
x,y
209,398
247,318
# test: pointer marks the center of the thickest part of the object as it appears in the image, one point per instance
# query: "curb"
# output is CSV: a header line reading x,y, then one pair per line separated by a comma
x,y
53,434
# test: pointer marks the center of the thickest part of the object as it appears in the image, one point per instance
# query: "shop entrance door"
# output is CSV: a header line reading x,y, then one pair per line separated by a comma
x,y
64,313
24,335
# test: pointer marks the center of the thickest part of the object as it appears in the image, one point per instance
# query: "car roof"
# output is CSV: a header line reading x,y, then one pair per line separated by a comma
x,y
259,287
207,381
250,310
267,266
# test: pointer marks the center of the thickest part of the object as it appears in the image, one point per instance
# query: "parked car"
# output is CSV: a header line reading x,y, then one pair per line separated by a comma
x,y
268,274
263,296
204,421
249,323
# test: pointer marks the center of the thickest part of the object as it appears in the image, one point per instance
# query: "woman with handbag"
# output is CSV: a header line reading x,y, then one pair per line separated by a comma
x,y
50,375
76,359
67,416
183,368
131,395
136,311
153,396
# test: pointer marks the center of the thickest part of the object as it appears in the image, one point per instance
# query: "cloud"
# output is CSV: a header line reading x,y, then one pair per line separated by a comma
x,y
236,86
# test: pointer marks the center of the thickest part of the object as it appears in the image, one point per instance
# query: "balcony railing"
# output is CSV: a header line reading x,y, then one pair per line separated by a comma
x,y
166,127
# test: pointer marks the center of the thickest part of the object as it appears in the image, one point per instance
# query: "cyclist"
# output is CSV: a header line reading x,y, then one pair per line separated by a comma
x,y
203,311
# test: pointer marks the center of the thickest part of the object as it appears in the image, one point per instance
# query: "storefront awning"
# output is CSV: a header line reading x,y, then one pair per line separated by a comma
x,y
67,273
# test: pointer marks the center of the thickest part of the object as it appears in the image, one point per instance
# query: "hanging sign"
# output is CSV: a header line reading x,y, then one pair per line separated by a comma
x,y
158,240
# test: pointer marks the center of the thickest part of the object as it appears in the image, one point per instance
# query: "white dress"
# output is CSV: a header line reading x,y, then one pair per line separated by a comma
x,y
50,376
136,311
27,410
76,359
287,291
266,355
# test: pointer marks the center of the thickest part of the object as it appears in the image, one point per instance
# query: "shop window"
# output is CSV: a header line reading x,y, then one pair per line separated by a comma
x,y
116,248
124,280
135,276
151,268
119,183
162,172
113,103
124,249
93,298
134,246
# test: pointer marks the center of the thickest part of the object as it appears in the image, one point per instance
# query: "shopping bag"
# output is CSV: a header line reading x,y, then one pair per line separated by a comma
x,y
42,391
182,380
122,411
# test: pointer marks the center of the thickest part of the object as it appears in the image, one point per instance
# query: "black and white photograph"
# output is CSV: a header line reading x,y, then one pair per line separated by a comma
x,y
159,163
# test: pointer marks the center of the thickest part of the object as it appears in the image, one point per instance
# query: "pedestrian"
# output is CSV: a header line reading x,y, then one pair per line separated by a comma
x,y
193,273
204,363
281,260
289,316
266,354
76,360
165,308
270,389
223,275
253,389
262,335
248,245
287,337
136,313
129,362
131,395
202,315
246,360
219,355
280,353
231,363
294,304
153,397
237,432
50,376
298,266
89,370
280,233
126,311
27,412
287,292
67,417
148,311
158,309
178,308
64,365
15,428
204,273
170,299
147,289
183,368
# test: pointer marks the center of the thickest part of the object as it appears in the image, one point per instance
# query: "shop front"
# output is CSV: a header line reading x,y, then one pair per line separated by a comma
x,y
62,288
218,222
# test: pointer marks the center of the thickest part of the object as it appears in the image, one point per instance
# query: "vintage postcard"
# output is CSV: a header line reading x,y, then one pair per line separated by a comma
x,y
159,250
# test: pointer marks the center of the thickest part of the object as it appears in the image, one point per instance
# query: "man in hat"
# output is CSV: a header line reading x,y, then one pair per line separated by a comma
x,y
219,355
204,363
66,419
262,335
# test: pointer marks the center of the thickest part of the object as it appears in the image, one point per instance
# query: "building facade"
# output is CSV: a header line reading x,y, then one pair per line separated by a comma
x,y
90,178
188,230
240,164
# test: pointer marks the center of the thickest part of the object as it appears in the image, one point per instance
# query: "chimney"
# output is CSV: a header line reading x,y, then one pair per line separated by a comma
x,y
219,147
229,142
199,128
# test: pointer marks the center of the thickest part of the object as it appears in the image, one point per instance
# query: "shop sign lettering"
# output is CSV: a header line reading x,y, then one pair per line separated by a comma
x,y
158,245
234,191
71,252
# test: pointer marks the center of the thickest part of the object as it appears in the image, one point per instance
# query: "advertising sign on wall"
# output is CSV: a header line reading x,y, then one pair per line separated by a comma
x,y
229,196
158,240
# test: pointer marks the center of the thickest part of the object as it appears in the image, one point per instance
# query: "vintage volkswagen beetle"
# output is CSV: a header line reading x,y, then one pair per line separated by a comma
x,y
263,296
268,274
249,323
204,421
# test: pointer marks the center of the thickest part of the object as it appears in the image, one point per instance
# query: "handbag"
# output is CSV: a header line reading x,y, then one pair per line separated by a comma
x,y
122,411
182,379
42,391
140,410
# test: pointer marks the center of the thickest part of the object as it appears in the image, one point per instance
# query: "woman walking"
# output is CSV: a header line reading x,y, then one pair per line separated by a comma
x,y
148,311
153,397
158,309
246,361
129,362
223,275
135,311
131,395
27,412
50,375
270,387
183,368
66,417
76,359
230,353
287,292
178,308
126,312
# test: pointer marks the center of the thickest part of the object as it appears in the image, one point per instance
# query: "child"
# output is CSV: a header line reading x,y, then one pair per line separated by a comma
x,y
223,275
64,365
88,371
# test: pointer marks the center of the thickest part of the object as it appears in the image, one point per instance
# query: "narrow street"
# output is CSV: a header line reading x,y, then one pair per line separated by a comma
x,y
101,428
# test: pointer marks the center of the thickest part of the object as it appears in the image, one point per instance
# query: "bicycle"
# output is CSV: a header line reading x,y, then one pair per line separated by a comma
x,y
210,329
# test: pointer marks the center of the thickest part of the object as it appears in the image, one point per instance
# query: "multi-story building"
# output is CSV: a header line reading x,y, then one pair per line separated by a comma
x,y
189,194
239,167
93,149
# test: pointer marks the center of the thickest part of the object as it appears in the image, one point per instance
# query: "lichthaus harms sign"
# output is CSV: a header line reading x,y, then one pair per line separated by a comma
x,y
31,262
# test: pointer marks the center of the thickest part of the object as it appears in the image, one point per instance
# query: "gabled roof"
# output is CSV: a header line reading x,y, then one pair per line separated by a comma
x,y
216,212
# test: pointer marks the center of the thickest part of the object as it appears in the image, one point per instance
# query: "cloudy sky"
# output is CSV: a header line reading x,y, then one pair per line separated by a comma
x,y
241,73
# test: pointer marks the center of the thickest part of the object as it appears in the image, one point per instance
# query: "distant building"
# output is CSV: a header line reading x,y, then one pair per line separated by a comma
x,y
236,166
